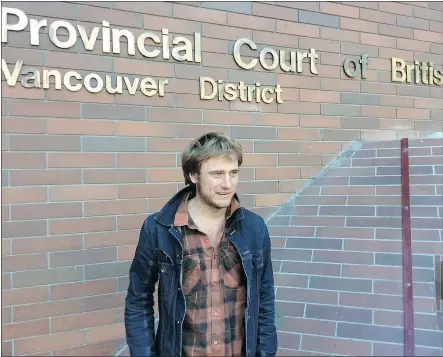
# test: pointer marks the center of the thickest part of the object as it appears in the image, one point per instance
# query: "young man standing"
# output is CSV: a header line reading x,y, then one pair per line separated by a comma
x,y
212,261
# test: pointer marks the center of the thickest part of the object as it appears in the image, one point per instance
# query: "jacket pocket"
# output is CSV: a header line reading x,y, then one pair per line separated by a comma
x,y
231,268
191,273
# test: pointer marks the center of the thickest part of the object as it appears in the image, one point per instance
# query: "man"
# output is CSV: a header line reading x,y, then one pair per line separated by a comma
x,y
212,261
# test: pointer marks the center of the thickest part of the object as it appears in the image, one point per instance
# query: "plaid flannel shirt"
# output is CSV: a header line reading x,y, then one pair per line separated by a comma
x,y
214,289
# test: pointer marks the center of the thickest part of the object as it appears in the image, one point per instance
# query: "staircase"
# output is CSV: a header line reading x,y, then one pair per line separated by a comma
x,y
337,255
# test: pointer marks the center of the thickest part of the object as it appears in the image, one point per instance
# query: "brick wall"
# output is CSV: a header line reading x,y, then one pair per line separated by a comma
x,y
81,171
338,255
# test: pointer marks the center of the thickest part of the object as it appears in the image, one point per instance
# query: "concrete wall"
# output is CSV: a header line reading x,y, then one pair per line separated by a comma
x,y
81,170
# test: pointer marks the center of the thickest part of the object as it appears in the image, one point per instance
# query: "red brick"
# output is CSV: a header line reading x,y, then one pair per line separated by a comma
x,y
108,176
340,35
372,272
6,244
80,127
49,342
308,326
80,160
413,45
199,14
165,175
291,185
141,67
6,316
84,320
378,40
83,95
103,302
130,222
143,160
47,309
82,193
14,160
25,329
358,25
109,239
126,252
45,244
319,147
24,229
104,333
45,177
277,173
147,190
156,204
257,160
174,25
339,10
81,289
25,296
275,199
45,211
144,129
81,225
104,208
23,125
19,92
24,194
6,281
320,122
44,109
167,145
396,8
256,23
192,131
227,118
15,263
298,134
277,120
299,29
307,295
106,348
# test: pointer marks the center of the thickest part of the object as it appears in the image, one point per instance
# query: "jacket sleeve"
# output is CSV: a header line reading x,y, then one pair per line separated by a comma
x,y
267,332
139,303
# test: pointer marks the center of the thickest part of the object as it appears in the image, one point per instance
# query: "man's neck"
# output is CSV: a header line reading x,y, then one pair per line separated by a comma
x,y
197,206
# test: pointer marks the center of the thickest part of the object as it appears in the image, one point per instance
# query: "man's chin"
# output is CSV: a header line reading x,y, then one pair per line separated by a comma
x,y
221,203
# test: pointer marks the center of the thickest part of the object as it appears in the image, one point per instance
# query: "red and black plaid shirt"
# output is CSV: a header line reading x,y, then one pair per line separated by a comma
x,y
215,291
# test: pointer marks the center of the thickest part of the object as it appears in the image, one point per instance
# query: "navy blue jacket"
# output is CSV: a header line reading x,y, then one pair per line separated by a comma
x,y
159,256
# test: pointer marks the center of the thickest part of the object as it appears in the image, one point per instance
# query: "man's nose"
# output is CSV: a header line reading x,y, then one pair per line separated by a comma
x,y
227,181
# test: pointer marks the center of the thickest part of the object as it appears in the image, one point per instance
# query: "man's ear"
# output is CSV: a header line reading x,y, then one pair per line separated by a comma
x,y
193,178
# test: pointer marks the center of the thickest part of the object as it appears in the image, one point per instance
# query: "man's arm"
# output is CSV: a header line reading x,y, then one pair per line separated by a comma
x,y
139,308
267,333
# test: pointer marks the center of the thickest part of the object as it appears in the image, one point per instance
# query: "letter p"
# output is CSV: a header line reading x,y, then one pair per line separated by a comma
x,y
20,25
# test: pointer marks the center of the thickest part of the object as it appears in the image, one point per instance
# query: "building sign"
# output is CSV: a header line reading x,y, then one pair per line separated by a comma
x,y
419,72
182,50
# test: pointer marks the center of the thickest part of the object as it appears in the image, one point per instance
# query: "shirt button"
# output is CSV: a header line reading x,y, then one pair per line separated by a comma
x,y
215,342
215,312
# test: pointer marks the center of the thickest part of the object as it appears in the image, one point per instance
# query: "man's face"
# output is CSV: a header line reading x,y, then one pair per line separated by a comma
x,y
217,182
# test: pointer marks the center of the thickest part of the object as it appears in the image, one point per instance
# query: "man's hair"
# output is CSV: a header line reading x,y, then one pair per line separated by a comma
x,y
205,147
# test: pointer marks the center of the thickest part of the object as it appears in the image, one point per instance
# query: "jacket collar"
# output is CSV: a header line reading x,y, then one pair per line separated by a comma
x,y
167,213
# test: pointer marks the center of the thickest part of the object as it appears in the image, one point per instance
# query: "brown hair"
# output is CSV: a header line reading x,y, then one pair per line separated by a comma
x,y
207,146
